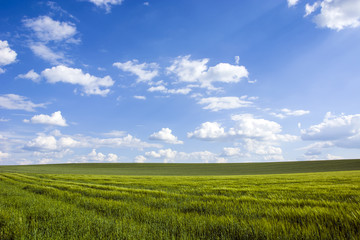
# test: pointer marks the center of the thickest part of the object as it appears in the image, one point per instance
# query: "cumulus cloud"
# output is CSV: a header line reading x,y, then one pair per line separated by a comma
x,y
106,4
292,2
163,89
333,14
100,157
54,119
246,126
231,151
91,85
46,29
169,155
17,102
197,71
7,55
265,149
222,103
208,131
339,14
140,159
287,113
145,72
58,142
165,135
333,128
43,143
32,75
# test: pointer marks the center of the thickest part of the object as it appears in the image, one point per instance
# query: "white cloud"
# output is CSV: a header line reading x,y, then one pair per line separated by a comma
x,y
17,102
292,2
169,155
335,14
197,71
127,141
309,9
262,148
55,119
333,128
7,55
32,75
68,142
256,128
140,159
163,89
165,135
46,29
3,155
316,148
208,131
333,157
106,3
91,85
188,70
100,157
231,151
43,143
221,103
42,51
246,126
287,112
144,71
140,97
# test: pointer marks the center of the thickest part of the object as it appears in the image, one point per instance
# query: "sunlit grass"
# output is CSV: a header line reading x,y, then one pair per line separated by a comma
x,y
292,206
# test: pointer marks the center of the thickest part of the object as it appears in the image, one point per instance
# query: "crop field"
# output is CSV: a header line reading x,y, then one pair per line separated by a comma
x,y
278,206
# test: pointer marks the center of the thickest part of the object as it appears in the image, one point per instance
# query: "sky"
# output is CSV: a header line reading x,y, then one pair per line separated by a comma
x,y
203,81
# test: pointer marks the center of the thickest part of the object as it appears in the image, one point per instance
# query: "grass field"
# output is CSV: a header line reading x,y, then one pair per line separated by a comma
x,y
173,169
279,206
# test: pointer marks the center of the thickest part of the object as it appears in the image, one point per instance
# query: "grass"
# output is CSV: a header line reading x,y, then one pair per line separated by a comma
x,y
157,169
280,206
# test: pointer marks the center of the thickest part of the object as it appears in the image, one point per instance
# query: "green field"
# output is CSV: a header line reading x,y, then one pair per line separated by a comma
x,y
320,205
181,169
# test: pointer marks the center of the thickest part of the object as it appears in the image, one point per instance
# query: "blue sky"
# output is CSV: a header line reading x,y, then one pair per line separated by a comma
x,y
179,81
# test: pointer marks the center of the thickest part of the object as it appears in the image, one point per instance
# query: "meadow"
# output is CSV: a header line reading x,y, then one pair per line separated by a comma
x,y
320,205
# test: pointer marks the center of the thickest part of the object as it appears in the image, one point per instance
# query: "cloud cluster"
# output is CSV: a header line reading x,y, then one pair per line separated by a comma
x,y
58,142
341,131
48,32
54,119
333,14
7,55
91,85
198,73
46,29
165,135
246,126
17,102
169,155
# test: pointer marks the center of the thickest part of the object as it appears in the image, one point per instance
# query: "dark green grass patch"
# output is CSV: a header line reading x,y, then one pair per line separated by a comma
x,y
181,169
